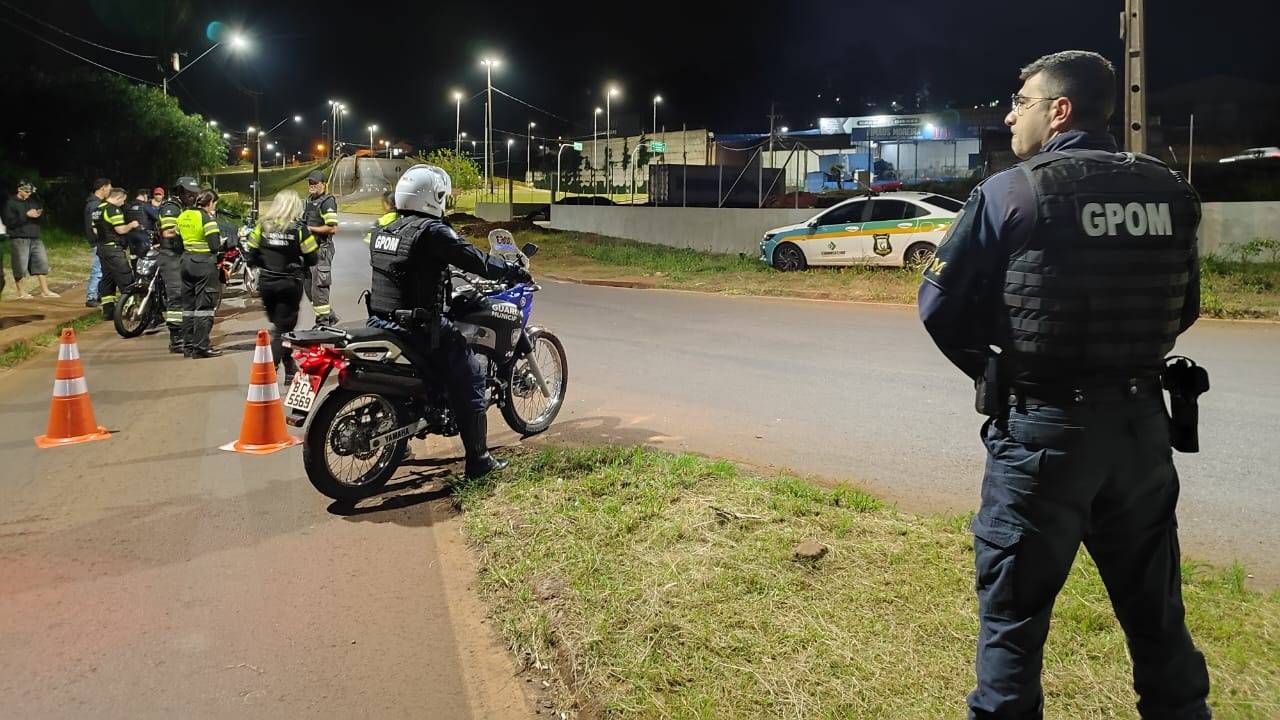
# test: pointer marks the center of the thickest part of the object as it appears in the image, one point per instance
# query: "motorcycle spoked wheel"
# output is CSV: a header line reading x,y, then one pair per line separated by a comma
x,y
526,410
128,321
335,450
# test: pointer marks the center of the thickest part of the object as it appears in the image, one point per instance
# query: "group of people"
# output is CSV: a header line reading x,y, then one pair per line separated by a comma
x,y
183,227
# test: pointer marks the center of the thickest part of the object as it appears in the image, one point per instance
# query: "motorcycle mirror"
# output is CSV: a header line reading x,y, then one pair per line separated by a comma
x,y
529,249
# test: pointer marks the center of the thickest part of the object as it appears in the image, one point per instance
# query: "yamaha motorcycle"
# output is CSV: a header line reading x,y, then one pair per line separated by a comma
x,y
142,304
359,434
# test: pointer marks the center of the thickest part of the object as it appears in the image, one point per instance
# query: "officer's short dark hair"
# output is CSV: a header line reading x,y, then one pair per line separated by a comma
x,y
1086,78
141,191
389,197
100,183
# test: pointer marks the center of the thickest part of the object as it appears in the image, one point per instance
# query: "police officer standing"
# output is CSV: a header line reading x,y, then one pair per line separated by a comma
x,y
170,265
283,249
1080,265
322,223
201,278
112,237
411,258
92,212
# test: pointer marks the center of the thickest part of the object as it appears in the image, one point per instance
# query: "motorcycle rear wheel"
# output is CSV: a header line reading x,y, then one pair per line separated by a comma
x,y
128,321
331,454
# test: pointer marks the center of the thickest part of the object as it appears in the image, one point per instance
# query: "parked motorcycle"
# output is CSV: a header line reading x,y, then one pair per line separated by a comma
x,y
231,260
142,304
359,434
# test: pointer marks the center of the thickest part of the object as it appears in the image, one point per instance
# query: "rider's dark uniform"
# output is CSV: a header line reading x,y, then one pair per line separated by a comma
x,y
411,258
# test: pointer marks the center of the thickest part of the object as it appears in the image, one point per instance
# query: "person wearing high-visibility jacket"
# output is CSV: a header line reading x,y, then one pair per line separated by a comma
x,y
389,215
201,279
183,197
112,236
322,222
282,248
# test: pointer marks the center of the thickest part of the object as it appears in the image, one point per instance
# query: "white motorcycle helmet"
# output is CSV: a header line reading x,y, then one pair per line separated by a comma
x,y
425,189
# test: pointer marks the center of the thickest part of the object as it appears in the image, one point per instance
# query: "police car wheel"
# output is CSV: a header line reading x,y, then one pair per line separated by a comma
x,y
919,254
788,257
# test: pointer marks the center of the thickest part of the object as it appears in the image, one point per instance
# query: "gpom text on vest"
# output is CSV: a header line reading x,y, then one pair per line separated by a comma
x,y
1101,219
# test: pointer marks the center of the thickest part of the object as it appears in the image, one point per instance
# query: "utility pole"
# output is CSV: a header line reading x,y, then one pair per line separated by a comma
x,y
773,116
1135,76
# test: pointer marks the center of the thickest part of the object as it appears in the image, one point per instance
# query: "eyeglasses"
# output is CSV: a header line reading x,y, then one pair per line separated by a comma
x,y
1018,103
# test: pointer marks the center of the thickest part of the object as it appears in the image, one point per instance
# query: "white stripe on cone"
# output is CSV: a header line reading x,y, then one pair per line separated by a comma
x,y
70,388
264,393
262,354
68,352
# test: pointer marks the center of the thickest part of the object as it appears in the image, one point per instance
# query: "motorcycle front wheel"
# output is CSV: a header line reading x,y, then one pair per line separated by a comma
x,y
526,408
130,318
336,453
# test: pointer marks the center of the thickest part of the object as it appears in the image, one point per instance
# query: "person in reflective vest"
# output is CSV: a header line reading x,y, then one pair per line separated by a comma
x,y
170,266
112,237
282,248
321,218
201,278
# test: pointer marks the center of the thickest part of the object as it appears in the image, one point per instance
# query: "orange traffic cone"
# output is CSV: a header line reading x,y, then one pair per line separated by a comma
x,y
263,430
70,413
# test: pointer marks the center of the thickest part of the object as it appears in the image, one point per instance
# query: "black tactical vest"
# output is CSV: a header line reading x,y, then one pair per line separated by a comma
x,y
1097,292
169,211
403,280
311,215
281,250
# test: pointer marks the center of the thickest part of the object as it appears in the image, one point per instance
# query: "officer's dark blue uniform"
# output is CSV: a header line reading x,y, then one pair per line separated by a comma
x,y
411,257
1083,285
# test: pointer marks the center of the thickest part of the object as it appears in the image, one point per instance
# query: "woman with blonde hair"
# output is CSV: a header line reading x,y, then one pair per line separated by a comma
x,y
282,248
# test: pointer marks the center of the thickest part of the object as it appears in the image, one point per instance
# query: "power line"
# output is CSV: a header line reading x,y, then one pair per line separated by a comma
x,y
534,107
76,37
81,57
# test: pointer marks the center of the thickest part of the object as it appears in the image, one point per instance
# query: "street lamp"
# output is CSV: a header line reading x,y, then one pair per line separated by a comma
x,y
371,128
608,135
528,155
510,142
656,99
457,123
387,144
595,148
489,64
279,155
236,42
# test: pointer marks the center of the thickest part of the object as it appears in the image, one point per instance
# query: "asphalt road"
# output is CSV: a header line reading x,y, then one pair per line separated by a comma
x,y
858,392
152,575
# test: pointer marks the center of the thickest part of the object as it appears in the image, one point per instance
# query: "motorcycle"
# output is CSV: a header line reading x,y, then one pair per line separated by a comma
x,y
359,434
142,305
231,261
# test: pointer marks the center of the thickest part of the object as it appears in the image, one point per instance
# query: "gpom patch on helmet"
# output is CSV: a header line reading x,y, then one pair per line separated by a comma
x,y
424,189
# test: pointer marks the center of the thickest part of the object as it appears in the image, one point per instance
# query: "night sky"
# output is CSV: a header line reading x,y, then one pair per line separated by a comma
x,y
716,65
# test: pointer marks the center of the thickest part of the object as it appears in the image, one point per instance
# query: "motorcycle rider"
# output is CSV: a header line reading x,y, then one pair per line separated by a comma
x,y
411,258
282,247
201,278
183,197
112,237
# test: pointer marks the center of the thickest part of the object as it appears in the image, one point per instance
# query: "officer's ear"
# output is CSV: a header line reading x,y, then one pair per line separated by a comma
x,y
1061,114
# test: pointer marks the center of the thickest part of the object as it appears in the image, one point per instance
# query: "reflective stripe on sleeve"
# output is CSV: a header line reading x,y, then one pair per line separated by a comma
x,y
309,245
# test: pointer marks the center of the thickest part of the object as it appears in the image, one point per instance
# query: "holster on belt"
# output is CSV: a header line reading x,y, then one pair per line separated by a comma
x,y
989,399
1186,382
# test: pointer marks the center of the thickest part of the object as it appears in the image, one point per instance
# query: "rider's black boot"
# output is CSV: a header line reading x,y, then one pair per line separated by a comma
x,y
474,429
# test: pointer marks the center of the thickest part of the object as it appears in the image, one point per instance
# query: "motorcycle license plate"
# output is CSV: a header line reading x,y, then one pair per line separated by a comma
x,y
301,395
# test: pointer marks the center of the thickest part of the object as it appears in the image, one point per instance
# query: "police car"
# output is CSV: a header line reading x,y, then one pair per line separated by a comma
x,y
902,229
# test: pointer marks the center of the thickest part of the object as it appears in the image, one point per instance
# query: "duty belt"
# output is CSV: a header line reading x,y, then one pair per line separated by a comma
x,y
1127,389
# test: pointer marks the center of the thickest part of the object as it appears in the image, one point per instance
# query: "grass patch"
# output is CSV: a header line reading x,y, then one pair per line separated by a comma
x,y
23,349
70,259
1231,289
590,256
665,586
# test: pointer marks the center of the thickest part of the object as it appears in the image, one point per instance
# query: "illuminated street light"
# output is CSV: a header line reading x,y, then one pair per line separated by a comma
x,y
656,99
489,64
371,128
457,123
